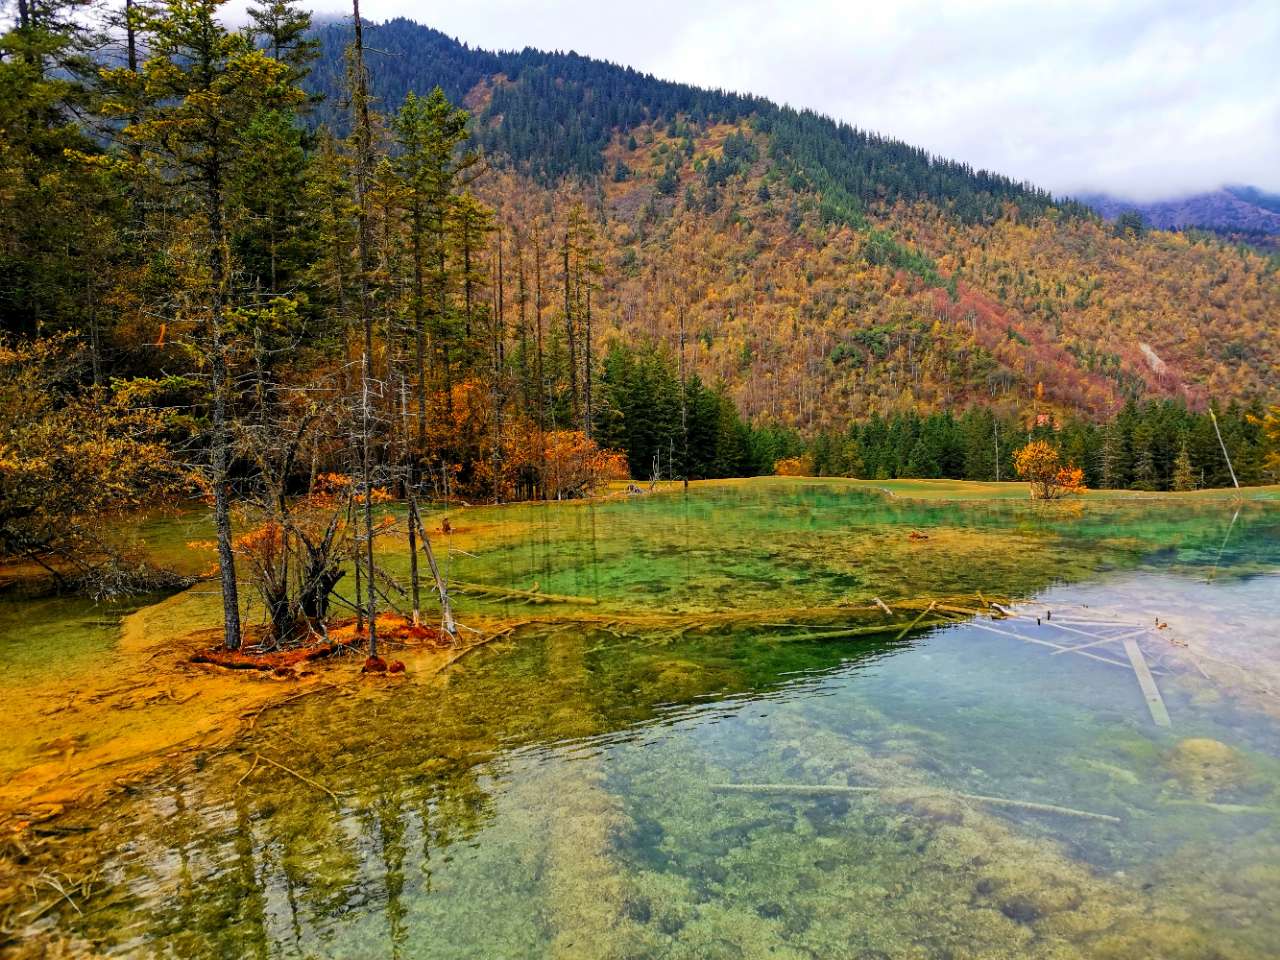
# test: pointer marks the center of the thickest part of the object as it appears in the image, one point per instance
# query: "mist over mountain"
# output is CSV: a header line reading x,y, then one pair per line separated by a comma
x,y
1238,212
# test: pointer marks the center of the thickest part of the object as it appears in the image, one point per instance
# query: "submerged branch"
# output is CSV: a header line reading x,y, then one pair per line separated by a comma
x,y
510,593
307,780
837,790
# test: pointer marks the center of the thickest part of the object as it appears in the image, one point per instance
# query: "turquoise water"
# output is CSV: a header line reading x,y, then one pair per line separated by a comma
x,y
559,794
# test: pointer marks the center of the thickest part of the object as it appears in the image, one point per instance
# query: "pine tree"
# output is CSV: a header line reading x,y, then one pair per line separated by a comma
x,y
60,210
202,86
270,223
283,29
1184,477
432,166
1115,456
1144,463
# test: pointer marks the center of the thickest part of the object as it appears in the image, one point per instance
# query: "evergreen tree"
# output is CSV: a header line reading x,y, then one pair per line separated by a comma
x,y
202,87
283,29
61,211
1116,461
432,166
1184,477
269,221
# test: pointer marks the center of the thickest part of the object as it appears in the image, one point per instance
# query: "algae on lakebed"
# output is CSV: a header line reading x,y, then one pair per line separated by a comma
x,y
785,543
551,796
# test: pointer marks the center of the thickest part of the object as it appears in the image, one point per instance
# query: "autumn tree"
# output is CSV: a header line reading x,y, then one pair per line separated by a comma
x,y
1040,464
74,457
1184,477
297,521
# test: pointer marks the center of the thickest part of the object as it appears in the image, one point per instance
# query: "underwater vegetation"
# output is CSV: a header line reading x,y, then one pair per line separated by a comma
x,y
558,792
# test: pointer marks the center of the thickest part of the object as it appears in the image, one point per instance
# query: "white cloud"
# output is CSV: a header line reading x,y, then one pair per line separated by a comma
x,y
1142,98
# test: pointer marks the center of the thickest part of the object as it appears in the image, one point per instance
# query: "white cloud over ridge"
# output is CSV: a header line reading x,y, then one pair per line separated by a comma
x,y
1144,98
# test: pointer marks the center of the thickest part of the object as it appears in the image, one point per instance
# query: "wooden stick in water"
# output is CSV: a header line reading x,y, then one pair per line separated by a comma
x,y
1098,642
446,605
836,790
1045,643
869,631
505,592
1155,702
911,626
964,611
307,780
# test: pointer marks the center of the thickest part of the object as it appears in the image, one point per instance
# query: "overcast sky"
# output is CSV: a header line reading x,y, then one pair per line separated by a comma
x,y
1144,98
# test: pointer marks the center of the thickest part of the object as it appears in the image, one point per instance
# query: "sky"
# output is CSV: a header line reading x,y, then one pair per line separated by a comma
x,y
1143,99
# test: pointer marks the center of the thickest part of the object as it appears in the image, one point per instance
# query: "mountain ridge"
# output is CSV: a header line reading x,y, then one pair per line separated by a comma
x,y
419,57
826,272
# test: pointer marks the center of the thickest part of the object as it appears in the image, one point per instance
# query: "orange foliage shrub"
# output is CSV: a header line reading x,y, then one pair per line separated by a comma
x,y
1040,464
791,467
1070,481
574,465
520,462
330,487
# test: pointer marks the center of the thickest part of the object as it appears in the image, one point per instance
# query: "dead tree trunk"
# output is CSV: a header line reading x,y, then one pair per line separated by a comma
x,y
363,166
220,442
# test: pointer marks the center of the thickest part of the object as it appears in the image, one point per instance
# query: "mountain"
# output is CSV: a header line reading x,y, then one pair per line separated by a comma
x,y
825,272
1237,212
554,114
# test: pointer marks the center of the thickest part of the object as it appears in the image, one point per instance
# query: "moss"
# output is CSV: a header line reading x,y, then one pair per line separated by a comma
x,y
1207,768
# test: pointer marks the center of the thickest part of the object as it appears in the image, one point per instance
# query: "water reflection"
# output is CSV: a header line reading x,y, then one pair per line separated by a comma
x,y
553,801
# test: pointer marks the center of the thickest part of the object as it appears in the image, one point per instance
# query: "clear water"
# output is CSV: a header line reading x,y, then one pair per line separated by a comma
x,y
68,636
553,795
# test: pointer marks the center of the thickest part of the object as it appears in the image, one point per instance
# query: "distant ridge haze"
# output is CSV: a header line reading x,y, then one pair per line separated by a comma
x,y
1229,209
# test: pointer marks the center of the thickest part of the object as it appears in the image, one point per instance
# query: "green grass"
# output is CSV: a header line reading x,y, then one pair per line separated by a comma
x,y
969,489
1016,490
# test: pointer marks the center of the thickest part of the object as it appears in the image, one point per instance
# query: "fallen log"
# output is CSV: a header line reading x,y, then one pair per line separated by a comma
x,y
235,660
912,625
1150,692
867,631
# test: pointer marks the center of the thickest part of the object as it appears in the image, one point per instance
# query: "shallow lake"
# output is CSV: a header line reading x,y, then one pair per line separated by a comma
x,y
601,788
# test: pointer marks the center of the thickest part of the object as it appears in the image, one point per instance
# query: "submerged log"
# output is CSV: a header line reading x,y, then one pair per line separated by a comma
x,y
838,790
1155,702
869,631
510,593
294,773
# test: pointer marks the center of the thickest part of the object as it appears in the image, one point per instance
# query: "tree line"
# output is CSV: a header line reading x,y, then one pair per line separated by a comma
x,y
1152,445
673,426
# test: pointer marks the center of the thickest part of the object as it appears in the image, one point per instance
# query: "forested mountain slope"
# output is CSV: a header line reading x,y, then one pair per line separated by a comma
x,y
825,272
